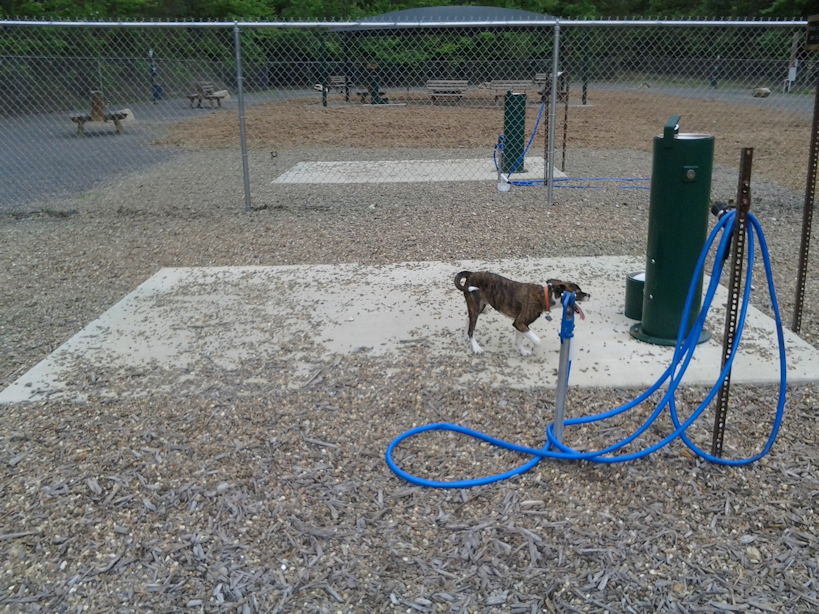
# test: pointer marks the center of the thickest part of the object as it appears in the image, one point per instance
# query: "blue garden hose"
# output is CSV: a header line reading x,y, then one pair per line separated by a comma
x,y
683,353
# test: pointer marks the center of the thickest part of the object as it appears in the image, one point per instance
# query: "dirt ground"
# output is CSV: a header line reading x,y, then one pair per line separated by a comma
x,y
610,120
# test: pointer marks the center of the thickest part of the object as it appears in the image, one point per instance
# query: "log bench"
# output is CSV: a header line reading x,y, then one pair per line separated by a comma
x,y
452,89
98,114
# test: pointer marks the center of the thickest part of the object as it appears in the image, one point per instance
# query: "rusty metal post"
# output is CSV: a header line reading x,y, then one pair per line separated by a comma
x,y
734,283
807,216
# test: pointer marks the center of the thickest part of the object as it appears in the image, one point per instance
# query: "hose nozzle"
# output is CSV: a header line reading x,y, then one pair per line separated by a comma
x,y
721,207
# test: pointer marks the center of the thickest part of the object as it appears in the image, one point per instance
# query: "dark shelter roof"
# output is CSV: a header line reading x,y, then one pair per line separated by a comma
x,y
437,14
456,13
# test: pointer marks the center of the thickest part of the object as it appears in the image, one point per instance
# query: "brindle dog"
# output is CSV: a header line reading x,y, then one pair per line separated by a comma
x,y
520,301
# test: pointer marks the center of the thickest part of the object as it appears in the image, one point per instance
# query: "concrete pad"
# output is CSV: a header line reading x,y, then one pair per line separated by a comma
x,y
407,171
183,317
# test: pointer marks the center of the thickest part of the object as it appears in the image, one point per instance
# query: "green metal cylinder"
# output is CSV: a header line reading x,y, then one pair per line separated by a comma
x,y
634,295
514,129
677,230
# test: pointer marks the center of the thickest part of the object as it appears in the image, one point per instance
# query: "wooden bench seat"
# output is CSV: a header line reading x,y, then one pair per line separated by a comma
x,y
205,90
449,89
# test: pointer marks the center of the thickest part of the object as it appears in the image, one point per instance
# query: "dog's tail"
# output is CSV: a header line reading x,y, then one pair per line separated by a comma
x,y
461,280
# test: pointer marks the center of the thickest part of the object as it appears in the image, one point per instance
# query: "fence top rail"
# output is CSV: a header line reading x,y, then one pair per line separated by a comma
x,y
394,25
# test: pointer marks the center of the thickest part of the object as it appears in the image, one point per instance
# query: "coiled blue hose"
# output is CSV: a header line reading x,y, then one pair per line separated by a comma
x,y
683,352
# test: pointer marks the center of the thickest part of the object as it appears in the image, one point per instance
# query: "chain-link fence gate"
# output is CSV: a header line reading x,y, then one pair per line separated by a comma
x,y
369,101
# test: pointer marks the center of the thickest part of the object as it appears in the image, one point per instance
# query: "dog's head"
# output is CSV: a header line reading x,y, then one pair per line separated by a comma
x,y
558,287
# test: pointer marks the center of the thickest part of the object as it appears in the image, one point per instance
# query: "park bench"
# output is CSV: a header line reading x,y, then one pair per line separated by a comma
x,y
447,89
544,83
338,83
205,90
541,84
98,114
501,86
364,95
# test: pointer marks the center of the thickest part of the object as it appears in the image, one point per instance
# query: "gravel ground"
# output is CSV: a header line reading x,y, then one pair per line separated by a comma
x,y
611,120
254,493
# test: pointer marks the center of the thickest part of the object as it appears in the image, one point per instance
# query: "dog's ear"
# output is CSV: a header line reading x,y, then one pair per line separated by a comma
x,y
557,287
579,295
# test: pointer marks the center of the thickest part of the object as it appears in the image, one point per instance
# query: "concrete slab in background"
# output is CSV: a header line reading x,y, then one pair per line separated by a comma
x,y
407,171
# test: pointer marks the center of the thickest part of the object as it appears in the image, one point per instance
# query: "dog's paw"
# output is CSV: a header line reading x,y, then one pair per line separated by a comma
x,y
524,352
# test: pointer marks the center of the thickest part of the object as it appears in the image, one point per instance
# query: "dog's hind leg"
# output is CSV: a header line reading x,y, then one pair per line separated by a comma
x,y
475,306
470,334
475,347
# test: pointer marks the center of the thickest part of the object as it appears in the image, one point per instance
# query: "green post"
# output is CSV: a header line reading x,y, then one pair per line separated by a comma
x,y
514,128
677,229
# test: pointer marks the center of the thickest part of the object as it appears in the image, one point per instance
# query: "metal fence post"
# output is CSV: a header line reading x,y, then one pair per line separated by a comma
x,y
585,64
553,116
324,78
241,100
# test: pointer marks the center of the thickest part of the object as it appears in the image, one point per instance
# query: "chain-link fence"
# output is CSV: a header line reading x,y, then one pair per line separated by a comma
x,y
375,102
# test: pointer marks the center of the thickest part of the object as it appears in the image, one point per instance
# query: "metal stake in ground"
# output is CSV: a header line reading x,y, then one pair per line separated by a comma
x,y
732,306
564,364
807,215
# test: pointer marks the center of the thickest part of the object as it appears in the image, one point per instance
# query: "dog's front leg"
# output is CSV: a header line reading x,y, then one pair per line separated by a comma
x,y
532,337
475,347
519,336
521,325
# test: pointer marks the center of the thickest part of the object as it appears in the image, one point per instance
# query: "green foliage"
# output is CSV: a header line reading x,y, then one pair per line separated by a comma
x,y
274,10
789,8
